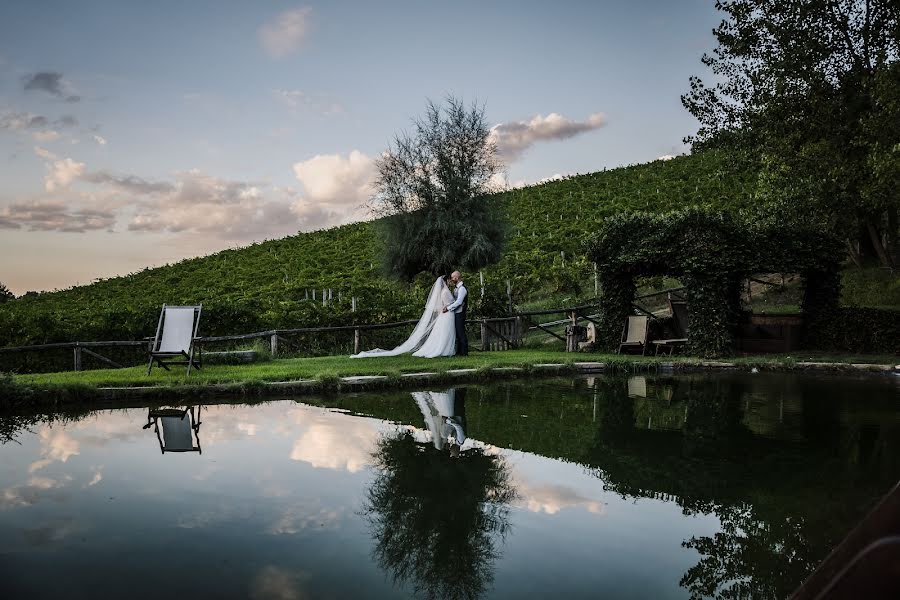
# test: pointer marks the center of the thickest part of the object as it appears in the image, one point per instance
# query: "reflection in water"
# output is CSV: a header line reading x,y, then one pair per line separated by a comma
x,y
662,486
774,498
445,417
180,428
437,518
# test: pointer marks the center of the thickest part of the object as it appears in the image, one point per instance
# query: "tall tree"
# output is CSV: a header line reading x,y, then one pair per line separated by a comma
x,y
810,87
431,186
5,294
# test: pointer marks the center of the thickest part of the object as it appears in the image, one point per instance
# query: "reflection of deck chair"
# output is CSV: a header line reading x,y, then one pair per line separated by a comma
x,y
180,429
637,387
635,333
175,334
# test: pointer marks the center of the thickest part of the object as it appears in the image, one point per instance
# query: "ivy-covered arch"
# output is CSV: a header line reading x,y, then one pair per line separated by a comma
x,y
711,253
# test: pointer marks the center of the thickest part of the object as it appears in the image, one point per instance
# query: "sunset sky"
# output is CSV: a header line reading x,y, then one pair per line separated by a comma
x,y
133,134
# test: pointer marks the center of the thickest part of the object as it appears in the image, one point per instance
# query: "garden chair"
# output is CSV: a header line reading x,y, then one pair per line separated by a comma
x,y
180,429
681,322
635,333
175,335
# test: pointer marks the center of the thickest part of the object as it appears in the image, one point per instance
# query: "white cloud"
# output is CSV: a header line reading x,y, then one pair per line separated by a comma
x,y
514,138
666,157
48,135
283,36
336,188
336,443
99,139
276,583
550,499
62,173
44,153
207,204
319,103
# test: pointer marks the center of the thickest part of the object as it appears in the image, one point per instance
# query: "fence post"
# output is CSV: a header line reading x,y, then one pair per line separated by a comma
x,y
357,334
273,344
485,341
77,357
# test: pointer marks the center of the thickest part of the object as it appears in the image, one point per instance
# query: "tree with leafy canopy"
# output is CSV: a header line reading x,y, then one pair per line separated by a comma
x,y
5,294
430,187
811,90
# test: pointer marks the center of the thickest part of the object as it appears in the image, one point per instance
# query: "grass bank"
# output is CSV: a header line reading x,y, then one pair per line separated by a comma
x,y
305,375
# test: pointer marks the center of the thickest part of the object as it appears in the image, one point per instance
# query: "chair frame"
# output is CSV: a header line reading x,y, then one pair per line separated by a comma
x,y
153,417
642,344
164,359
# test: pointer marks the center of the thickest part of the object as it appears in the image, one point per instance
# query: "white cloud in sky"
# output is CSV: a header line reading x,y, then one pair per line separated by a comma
x,y
44,153
515,137
62,173
666,157
335,187
48,135
99,139
284,35
202,203
319,103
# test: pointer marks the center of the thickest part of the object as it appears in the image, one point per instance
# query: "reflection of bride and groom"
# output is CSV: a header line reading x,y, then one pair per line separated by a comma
x,y
438,519
445,417
441,331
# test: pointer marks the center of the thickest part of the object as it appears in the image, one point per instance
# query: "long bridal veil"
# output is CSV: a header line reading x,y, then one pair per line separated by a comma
x,y
433,308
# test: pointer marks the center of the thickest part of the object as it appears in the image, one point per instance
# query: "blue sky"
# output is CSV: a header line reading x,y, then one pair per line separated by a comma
x,y
135,134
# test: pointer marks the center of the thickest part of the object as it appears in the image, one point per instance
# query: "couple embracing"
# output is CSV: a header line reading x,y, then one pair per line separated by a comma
x,y
441,331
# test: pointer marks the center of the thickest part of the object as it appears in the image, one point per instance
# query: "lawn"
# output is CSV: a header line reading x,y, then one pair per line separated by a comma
x,y
288,369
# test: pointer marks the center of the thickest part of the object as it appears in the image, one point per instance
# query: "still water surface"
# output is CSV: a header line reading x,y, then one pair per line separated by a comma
x,y
641,487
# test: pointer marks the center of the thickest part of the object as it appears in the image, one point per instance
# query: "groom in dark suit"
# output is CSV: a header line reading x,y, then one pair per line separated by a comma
x,y
459,307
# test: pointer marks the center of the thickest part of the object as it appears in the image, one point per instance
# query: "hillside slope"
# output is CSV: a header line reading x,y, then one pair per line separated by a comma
x,y
265,285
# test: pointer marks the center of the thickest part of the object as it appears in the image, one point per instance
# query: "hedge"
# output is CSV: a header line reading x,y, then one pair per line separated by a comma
x,y
711,253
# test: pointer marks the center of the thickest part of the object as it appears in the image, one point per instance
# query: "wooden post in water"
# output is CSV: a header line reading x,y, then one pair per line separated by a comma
x,y
77,352
273,344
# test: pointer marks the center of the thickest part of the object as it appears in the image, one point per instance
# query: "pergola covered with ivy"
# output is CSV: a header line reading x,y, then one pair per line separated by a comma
x,y
711,253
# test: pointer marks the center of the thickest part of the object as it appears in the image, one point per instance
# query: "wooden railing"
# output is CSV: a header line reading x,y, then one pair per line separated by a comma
x,y
502,333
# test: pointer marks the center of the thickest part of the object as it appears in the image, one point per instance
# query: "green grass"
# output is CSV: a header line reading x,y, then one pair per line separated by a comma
x,y
331,367
288,369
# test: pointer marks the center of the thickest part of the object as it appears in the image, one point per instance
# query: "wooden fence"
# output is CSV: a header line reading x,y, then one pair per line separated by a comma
x,y
496,334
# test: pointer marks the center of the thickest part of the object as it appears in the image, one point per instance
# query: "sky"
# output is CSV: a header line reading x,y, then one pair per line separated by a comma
x,y
135,134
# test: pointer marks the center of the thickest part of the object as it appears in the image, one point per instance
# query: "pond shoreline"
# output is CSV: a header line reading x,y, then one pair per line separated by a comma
x,y
71,394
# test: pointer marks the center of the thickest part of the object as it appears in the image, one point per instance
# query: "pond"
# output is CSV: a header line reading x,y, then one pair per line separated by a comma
x,y
683,486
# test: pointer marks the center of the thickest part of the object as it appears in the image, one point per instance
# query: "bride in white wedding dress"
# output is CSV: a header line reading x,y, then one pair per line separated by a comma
x,y
434,334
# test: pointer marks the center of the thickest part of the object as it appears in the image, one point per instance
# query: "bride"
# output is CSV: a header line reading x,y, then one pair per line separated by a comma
x,y
435,333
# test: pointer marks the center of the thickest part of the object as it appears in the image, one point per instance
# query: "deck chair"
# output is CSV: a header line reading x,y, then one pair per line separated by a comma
x,y
681,321
175,334
180,429
635,333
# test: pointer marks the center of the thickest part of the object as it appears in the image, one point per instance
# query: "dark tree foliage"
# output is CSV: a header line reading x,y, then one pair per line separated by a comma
x,y
810,88
431,186
5,294
437,520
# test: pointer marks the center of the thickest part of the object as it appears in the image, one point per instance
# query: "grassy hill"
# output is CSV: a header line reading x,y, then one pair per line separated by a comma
x,y
266,285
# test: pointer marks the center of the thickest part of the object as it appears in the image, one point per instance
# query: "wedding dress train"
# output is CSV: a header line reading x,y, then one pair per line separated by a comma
x,y
434,334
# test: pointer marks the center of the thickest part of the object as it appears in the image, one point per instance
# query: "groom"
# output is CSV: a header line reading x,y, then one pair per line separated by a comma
x,y
459,307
